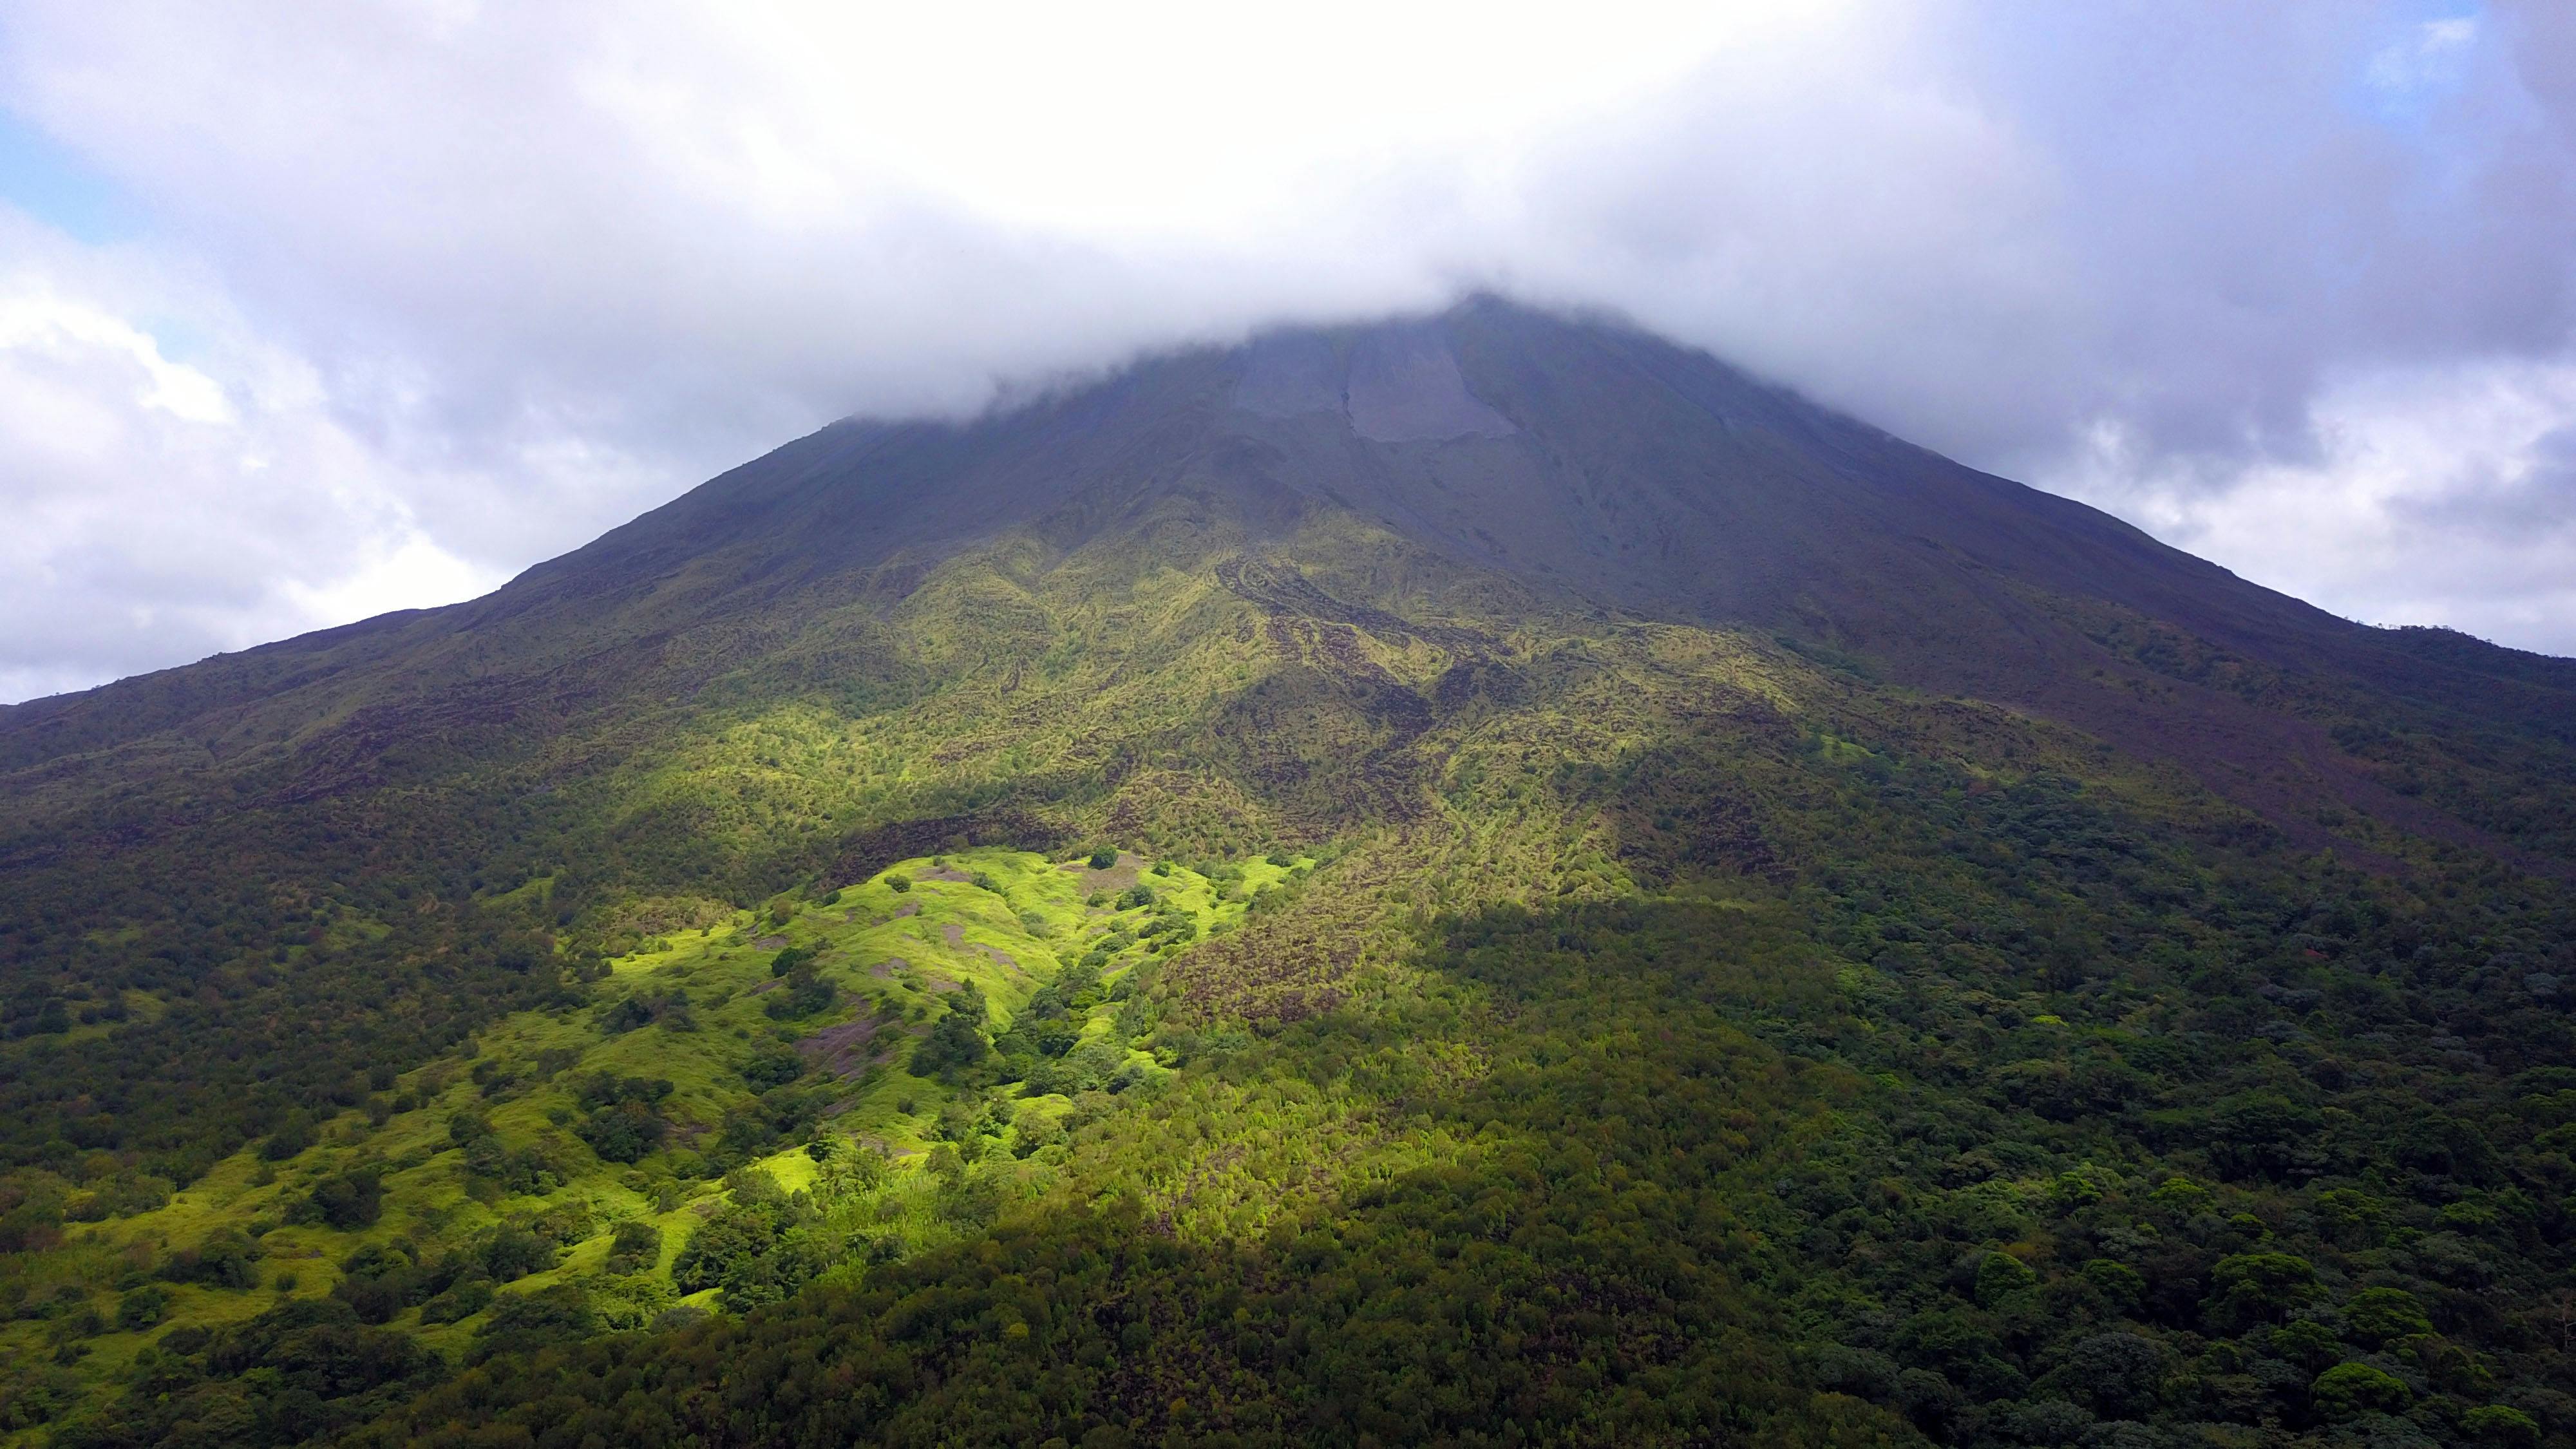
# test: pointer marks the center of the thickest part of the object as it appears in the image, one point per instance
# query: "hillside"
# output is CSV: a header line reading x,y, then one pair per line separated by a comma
x,y
1628,908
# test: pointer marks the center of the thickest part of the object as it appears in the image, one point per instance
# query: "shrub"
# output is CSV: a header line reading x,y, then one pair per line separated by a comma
x,y
773,1066
142,1308
521,1321
292,1137
957,1040
623,1132
1104,858
757,1249
378,1283
225,1259
344,1201
515,1253
468,1297
625,1015
803,993
635,1248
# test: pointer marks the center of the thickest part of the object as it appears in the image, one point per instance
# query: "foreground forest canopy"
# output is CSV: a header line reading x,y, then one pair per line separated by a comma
x,y
1475,881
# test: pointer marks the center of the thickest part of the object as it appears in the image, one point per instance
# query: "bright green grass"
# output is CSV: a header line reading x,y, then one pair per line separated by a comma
x,y
887,951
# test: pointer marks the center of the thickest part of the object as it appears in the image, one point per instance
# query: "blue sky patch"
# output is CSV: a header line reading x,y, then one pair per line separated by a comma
x,y
51,183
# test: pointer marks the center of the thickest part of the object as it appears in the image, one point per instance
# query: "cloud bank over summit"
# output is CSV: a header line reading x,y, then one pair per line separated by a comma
x,y
307,314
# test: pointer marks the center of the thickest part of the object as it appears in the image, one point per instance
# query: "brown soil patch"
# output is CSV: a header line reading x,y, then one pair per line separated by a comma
x,y
887,967
1116,878
957,941
770,943
908,908
947,873
845,1051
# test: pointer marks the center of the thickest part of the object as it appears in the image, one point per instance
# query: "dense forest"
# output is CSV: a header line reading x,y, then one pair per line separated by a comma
x,y
1177,986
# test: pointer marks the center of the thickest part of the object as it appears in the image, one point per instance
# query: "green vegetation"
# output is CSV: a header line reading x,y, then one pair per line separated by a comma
x,y
1494,1022
525,1195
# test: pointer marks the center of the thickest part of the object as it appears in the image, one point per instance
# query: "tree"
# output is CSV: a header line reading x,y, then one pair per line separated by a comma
x,y
2003,1279
516,1253
292,1136
2117,1375
521,1321
345,1200
141,1308
2501,1424
2257,1287
957,1041
623,1132
227,1258
2349,1389
801,993
635,1247
2373,1316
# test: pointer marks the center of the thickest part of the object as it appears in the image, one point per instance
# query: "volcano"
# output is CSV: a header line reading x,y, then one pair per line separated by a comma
x,y
1583,461
1474,878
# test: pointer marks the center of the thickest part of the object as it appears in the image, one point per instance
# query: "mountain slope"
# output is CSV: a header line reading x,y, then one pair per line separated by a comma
x,y
1591,461
1648,912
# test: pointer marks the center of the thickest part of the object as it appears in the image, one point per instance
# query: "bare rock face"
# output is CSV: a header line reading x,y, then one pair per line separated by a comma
x,y
1405,387
1394,384
1291,374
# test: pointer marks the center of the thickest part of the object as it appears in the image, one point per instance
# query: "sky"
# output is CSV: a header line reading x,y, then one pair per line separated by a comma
x,y
308,313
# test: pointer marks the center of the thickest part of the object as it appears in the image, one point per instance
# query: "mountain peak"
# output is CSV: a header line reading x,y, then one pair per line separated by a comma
x,y
1589,461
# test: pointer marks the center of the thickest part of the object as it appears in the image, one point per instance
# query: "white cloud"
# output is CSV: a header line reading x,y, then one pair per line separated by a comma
x,y
2432,54
2446,497
34,321
519,271
156,510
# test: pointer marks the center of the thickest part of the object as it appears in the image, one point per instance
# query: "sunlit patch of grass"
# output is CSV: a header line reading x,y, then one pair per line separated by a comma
x,y
1004,922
